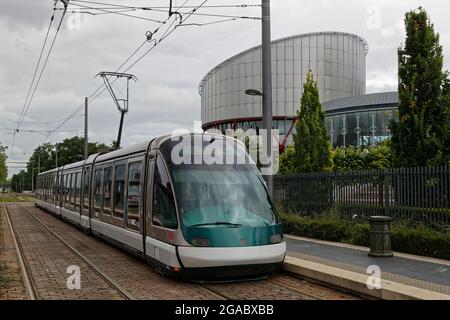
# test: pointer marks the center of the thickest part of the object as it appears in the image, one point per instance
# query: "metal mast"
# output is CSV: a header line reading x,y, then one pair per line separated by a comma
x,y
123,108
267,85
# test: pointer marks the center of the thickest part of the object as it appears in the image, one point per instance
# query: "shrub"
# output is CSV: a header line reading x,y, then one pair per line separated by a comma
x,y
418,241
366,158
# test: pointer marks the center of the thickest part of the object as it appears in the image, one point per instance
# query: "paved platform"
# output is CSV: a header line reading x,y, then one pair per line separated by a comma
x,y
424,277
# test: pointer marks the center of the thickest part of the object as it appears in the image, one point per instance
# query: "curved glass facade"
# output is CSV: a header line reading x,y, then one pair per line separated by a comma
x,y
359,128
337,60
354,121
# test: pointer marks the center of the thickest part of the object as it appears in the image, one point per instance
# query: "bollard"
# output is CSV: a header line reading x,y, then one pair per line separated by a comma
x,y
380,236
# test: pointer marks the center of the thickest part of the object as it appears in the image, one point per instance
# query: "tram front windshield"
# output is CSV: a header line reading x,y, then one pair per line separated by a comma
x,y
222,197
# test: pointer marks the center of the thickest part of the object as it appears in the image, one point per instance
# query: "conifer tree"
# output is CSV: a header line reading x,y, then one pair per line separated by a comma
x,y
421,134
312,143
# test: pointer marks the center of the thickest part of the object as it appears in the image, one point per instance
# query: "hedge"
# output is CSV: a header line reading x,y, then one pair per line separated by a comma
x,y
419,241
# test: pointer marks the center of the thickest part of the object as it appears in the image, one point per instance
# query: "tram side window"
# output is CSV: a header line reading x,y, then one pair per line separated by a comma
x,y
41,189
52,183
72,189
98,192
119,191
107,186
86,189
67,187
50,189
164,213
55,188
77,190
134,195
66,190
58,190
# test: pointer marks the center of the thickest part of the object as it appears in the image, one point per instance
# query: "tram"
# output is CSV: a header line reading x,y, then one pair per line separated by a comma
x,y
193,206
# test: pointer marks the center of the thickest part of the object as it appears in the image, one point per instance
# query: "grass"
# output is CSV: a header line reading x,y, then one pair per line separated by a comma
x,y
5,278
8,197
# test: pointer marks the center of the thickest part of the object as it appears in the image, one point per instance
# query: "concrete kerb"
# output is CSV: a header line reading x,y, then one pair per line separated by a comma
x,y
357,282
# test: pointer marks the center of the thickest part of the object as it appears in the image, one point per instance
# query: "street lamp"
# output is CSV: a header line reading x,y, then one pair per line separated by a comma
x,y
253,92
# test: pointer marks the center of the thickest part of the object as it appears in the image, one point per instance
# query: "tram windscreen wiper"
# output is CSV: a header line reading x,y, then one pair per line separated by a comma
x,y
218,223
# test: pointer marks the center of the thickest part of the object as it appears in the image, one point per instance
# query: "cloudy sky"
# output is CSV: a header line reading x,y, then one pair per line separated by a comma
x,y
166,96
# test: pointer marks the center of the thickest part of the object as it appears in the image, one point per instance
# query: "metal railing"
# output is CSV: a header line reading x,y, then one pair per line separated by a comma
x,y
414,195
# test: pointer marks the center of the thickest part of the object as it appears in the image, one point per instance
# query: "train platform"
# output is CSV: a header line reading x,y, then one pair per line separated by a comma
x,y
403,276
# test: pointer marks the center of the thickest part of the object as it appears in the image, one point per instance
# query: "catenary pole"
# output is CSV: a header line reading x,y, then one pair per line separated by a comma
x,y
56,155
86,137
267,85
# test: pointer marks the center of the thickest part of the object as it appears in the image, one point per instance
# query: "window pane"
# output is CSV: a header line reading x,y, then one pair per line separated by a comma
x,y
164,213
72,189
134,193
78,190
86,189
57,187
107,185
98,192
119,191
66,189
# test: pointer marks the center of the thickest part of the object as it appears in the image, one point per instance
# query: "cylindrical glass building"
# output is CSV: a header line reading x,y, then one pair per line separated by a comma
x,y
337,61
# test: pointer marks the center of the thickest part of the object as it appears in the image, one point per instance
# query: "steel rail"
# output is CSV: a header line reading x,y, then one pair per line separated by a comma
x,y
97,270
26,276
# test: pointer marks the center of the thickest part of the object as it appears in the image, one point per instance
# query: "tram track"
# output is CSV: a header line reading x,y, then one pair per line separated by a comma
x,y
146,284
26,276
112,283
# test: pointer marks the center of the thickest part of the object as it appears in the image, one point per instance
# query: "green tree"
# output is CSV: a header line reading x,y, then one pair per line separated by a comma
x,y
42,159
287,161
21,181
446,114
72,150
420,136
69,151
312,143
3,167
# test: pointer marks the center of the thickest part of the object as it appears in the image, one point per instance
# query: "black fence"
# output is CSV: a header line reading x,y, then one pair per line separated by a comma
x,y
414,195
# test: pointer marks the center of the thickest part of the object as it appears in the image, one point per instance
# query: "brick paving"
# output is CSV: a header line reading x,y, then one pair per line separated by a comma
x,y
11,283
142,282
278,287
47,260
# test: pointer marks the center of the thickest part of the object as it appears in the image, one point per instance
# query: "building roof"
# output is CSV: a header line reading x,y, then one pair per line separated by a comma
x,y
367,100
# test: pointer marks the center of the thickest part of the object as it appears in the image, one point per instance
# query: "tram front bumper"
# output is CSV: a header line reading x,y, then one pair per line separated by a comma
x,y
231,263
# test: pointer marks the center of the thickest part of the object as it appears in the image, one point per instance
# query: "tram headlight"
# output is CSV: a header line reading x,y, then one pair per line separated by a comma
x,y
201,242
276,238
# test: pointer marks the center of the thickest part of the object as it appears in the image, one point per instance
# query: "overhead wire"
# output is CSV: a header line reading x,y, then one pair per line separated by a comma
x,y
119,13
115,5
167,33
38,63
32,81
99,90
119,9
156,9
30,98
45,64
